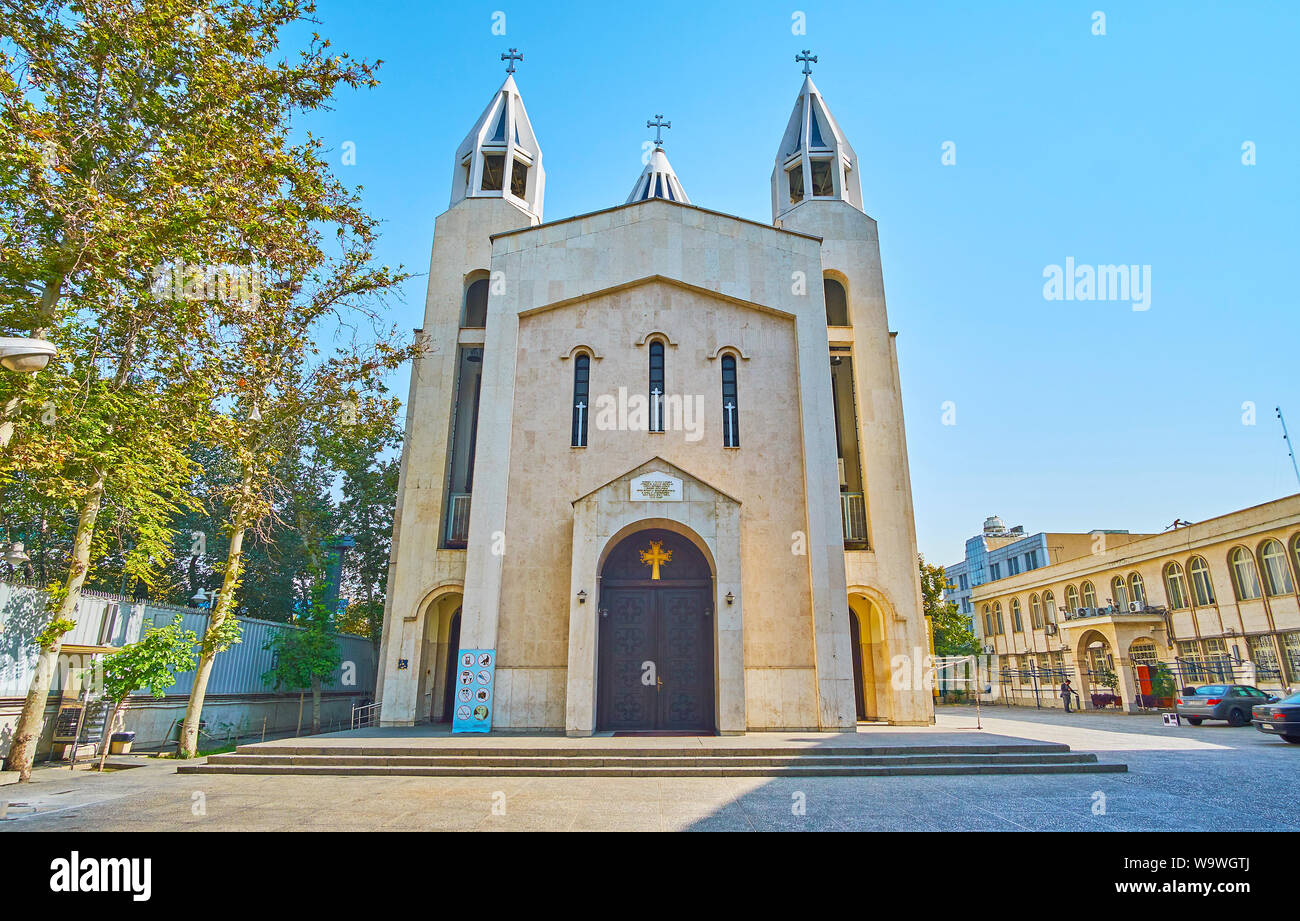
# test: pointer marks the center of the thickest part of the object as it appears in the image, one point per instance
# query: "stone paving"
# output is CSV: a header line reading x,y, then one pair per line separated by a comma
x,y
1211,777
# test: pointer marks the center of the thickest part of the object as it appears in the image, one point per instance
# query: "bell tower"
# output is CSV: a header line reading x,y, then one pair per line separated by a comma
x,y
816,189
497,185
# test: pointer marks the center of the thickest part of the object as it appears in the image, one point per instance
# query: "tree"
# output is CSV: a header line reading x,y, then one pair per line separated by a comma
x,y
303,658
151,664
954,634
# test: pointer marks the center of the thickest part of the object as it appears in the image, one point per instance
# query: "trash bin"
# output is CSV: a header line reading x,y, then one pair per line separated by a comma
x,y
120,743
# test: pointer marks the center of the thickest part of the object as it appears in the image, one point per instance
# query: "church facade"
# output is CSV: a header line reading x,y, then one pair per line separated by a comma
x,y
654,463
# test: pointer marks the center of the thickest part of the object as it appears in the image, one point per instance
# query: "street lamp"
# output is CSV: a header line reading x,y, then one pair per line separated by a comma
x,y
23,355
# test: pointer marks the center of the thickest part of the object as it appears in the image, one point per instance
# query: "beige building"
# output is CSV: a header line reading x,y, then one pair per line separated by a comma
x,y
654,471
1215,601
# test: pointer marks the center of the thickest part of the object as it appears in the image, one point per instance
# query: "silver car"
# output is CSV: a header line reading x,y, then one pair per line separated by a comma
x,y
1231,702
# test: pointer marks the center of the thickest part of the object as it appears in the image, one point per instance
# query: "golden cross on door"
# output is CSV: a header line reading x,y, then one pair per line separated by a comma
x,y
656,555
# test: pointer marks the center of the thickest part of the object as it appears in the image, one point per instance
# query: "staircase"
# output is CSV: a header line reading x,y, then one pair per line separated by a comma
x,y
599,758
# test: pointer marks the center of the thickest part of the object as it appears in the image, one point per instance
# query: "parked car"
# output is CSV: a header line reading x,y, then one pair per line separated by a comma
x,y
1281,718
1231,702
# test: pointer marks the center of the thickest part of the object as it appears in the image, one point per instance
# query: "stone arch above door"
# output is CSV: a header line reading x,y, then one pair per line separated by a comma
x,y
707,517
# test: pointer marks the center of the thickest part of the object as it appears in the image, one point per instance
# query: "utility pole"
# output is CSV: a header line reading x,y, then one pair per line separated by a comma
x,y
1287,438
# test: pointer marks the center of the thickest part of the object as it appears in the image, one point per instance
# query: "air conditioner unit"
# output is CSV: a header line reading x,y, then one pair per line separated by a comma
x,y
1051,629
1135,607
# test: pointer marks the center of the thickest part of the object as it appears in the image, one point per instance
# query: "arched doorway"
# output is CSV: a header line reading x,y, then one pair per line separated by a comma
x,y
449,678
870,658
859,692
654,639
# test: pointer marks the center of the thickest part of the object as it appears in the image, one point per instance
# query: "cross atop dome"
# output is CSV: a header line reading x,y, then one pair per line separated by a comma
x,y
658,180
514,56
806,58
500,157
815,160
659,125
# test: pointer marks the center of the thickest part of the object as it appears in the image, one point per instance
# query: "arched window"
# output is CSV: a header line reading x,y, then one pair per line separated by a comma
x,y
837,303
581,399
1089,595
1295,554
1175,586
730,404
656,386
1016,623
476,298
1071,599
1202,587
1277,578
988,621
1049,607
1137,589
1035,612
997,616
1142,652
1245,578
1119,593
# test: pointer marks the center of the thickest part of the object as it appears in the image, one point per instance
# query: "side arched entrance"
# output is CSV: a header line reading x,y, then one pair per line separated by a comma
x,y
655,663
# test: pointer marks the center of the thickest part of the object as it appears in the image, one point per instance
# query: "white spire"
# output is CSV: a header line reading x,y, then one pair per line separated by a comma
x,y
500,157
658,181
815,160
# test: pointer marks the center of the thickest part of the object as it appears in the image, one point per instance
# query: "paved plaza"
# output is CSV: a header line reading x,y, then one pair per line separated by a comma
x,y
1205,778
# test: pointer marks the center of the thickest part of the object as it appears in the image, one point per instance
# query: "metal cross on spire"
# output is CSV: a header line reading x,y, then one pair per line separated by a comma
x,y
806,58
513,56
659,125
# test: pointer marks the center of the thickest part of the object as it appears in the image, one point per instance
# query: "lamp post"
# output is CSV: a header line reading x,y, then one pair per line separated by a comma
x,y
20,355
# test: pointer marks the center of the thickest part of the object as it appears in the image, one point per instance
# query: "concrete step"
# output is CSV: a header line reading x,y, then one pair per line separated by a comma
x,y
802,770
657,760
597,750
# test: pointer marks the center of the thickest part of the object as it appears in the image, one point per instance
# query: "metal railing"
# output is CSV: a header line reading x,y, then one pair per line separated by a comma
x,y
458,518
853,511
366,715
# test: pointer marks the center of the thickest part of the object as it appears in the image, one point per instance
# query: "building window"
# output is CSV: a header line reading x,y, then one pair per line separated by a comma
x,y
1202,587
1142,652
1175,587
476,298
837,303
581,399
1119,593
1291,649
1013,566
1071,599
1089,596
1035,612
494,166
997,616
995,569
656,386
1137,590
1016,623
1049,607
730,404
1277,578
1031,560
519,179
988,621
1192,661
963,581
1295,554
795,175
1245,579
823,183
1264,655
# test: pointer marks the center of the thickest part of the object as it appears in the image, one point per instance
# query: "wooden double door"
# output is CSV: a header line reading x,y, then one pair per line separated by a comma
x,y
655,663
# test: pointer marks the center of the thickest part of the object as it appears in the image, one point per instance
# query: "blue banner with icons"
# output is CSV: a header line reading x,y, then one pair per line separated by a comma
x,y
475,674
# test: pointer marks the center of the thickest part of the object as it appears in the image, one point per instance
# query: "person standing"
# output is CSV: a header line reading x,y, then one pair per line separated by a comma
x,y
1066,691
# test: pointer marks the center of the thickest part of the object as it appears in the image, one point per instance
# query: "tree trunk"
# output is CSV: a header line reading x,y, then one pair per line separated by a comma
x,y
108,734
27,733
189,740
315,705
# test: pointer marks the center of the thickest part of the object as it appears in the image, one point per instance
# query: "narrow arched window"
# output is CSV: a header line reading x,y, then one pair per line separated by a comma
x,y
476,298
988,621
730,404
1089,595
581,399
1035,612
1202,587
1016,623
997,616
1175,587
656,386
1137,589
1244,576
1071,599
1119,593
837,303
1049,607
1277,577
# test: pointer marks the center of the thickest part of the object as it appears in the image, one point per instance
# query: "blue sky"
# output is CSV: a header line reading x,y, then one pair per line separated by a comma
x,y
1117,149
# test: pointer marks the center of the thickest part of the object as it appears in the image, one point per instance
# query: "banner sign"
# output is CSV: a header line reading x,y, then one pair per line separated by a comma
x,y
475,673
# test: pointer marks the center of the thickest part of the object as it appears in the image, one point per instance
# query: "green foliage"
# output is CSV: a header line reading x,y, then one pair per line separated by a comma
x,y
151,663
54,632
954,634
1162,681
302,656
